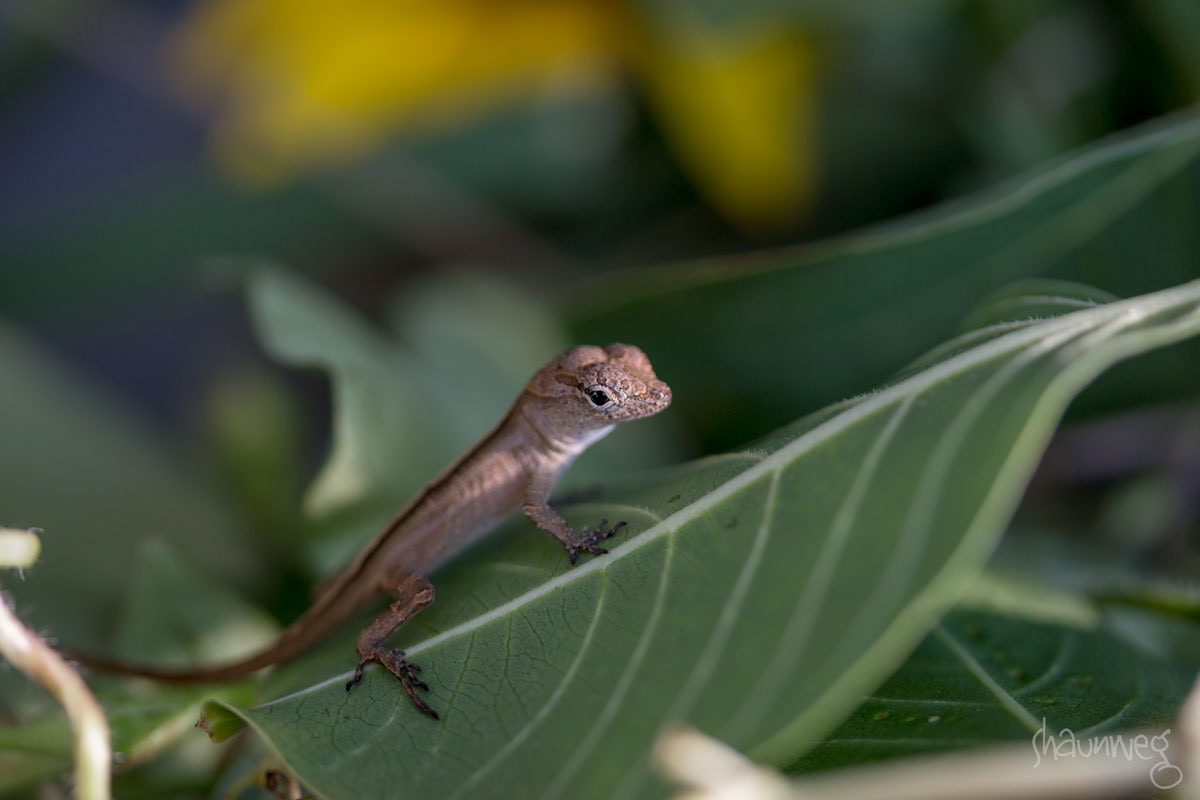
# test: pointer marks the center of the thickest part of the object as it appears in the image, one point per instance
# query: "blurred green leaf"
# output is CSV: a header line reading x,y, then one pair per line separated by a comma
x,y
176,615
1108,574
552,156
19,770
97,482
173,615
982,678
751,341
252,429
145,723
155,229
904,491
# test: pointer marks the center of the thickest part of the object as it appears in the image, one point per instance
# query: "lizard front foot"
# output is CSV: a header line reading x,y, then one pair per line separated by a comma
x,y
405,671
585,540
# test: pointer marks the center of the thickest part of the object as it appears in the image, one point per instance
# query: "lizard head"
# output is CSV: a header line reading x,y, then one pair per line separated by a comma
x,y
585,391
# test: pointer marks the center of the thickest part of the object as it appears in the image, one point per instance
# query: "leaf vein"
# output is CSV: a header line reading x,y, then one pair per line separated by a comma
x,y
520,736
1066,647
617,698
913,537
717,641
1120,712
874,698
976,670
803,615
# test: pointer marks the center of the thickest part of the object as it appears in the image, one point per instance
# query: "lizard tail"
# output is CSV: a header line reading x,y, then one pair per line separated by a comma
x,y
292,642
226,672
313,625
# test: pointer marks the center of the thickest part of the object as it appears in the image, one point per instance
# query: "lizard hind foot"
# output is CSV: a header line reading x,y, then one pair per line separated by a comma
x,y
587,538
405,671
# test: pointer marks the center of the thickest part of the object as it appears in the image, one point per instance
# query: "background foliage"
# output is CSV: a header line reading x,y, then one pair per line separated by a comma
x,y
243,244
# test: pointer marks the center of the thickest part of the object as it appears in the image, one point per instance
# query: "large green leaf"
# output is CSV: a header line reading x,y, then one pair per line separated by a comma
x,y
758,595
755,337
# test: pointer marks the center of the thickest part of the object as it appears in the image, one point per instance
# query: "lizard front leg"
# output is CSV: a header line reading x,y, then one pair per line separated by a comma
x,y
576,542
413,592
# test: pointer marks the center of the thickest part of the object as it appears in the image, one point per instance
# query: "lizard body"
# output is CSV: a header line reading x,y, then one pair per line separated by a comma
x,y
571,402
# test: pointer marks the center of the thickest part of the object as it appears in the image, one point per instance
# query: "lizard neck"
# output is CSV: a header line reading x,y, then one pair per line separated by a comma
x,y
558,444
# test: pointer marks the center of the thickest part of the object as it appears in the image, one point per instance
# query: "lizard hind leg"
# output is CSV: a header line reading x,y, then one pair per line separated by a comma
x,y
413,592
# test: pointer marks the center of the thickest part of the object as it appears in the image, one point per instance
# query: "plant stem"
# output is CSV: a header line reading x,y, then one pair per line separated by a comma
x,y
28,653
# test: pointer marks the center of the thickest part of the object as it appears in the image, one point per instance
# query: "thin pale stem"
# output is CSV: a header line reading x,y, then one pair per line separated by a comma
x,y
28,653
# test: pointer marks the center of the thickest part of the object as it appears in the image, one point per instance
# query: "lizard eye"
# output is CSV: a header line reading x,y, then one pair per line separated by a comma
x,y
599,398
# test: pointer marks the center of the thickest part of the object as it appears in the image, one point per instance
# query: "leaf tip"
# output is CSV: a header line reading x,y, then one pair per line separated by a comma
x,y
219,721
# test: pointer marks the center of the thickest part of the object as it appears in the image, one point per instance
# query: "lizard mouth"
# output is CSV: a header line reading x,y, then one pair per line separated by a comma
x,y
660,394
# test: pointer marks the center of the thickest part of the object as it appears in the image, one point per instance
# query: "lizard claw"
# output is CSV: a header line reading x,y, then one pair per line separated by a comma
x,y
573,552
599,533
587,538
350,684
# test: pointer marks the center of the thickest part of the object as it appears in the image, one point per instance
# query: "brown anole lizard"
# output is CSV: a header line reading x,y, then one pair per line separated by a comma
x,y
569,403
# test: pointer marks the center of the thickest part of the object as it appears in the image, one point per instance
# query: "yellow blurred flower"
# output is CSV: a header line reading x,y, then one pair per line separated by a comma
x,y
301,84
738,108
